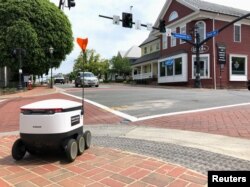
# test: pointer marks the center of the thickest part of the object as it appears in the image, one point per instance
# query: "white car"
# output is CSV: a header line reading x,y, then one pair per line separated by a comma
x,y
86,79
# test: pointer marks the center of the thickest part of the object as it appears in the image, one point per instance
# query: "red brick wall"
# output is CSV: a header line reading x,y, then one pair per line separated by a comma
x,y
179,8
226,37
242,48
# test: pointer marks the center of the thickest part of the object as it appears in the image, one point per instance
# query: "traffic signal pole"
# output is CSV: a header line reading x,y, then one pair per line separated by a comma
x,y
197,43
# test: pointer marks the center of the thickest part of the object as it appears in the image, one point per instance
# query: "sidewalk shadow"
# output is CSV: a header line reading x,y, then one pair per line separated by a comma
x,y
36,159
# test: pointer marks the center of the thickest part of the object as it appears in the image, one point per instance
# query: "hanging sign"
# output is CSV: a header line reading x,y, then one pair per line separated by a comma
x,y
221,53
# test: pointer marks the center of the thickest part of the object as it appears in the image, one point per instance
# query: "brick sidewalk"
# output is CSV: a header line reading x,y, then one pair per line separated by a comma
x,y
10,109
96,167
37,91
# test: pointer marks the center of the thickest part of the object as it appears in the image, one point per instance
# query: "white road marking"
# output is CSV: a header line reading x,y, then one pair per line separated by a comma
x,y
134,119
118,113
191,111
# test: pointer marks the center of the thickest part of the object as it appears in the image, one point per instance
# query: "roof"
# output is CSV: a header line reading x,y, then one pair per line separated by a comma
x,y
200,5
145,58
133,52
121,53
149,39
212,7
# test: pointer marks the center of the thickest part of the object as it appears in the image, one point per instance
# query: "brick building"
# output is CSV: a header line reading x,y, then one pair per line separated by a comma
x,y
171,61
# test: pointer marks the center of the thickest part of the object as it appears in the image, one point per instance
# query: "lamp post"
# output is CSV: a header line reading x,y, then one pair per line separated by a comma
x,y
51,50
18,52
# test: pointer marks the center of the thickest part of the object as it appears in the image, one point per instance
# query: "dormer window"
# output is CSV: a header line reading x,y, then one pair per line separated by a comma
x,y
173,16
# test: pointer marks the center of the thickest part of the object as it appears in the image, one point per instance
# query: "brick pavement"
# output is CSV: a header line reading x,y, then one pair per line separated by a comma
x,y
10,109
103,166
233,122
96,167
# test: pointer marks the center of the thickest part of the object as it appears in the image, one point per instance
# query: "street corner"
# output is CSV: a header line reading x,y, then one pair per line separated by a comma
x,y
35,91
98,166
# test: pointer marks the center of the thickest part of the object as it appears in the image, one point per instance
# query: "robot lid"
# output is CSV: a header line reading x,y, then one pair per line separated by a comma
x,y
52,104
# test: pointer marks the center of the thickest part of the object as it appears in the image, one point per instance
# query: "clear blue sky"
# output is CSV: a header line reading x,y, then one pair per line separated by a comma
x,y
107,39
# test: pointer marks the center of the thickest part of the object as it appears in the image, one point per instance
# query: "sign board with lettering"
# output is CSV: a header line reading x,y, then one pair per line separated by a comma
x,y
203,49
221,53
182,36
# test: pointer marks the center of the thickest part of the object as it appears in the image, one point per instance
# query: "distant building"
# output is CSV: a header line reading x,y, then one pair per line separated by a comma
x,y
172,61
132,53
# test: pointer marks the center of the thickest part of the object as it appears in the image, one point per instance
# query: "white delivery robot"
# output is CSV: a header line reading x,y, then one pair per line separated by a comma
x,y
54,124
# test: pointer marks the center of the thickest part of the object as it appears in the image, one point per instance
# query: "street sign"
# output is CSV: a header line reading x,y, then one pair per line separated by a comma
x,y
202,49
116,20
221,53
149,27
182,36
212,33
138,25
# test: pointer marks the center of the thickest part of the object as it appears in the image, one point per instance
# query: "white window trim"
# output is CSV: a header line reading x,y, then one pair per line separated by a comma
x,y
164,43
174,78
237,77
208,66
173,44
181,41
240,32
205,28
174,15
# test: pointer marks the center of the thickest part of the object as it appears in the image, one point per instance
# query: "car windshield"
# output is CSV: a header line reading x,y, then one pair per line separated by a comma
x,y
88,75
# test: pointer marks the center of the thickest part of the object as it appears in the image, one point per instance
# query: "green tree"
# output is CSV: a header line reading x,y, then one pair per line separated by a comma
x,y
120,66
34,25
91,61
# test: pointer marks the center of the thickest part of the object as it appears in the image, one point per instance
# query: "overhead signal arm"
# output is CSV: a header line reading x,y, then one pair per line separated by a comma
x,y
121,20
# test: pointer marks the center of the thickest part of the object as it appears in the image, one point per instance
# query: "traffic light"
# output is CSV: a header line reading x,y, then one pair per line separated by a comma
x,y
162,26
71,3
127,20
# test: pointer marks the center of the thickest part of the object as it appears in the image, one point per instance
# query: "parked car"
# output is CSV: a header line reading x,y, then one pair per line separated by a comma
x,y
86,79
59,80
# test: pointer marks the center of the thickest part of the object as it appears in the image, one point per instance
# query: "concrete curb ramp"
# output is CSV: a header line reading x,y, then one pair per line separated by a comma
x,y
235,147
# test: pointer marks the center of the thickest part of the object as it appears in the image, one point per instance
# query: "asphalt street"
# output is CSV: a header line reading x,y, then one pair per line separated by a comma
x,y
142,101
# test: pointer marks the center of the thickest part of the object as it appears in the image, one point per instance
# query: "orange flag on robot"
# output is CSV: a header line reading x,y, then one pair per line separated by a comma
x,y
82,43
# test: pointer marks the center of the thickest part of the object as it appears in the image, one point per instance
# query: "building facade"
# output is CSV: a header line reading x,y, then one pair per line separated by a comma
x,y
176,59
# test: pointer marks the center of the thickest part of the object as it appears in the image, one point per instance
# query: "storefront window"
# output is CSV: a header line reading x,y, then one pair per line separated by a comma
x,y
178,66
238,66
162,69
170,66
